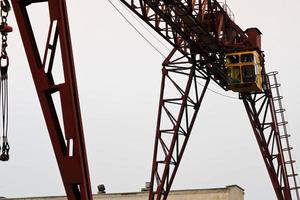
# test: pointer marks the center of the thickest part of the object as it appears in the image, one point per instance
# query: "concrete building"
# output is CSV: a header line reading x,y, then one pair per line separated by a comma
x,y
232,192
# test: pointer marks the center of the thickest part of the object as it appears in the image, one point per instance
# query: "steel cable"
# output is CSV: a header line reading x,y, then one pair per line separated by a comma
x,y
136,29
152,45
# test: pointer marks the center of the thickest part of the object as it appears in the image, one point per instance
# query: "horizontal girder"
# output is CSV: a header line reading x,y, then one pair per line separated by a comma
x,y
199,26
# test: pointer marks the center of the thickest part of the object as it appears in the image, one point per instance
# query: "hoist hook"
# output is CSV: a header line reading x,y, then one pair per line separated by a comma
x,y
4,63
5,150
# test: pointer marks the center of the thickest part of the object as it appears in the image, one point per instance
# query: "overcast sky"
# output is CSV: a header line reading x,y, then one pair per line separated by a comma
x,y
118,75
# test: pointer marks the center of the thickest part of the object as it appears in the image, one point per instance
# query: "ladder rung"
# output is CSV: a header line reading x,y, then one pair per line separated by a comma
x,y
281,110
275,85
277,98
285,136
273,73
292,175
282,123
287,149
290,162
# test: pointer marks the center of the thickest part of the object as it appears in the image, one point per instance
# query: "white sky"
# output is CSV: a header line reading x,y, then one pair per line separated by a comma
x,y
118,77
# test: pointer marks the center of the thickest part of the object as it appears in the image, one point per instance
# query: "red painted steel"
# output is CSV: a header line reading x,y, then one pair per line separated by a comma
x,y
66,134
202,32
273,142
176,117
261,113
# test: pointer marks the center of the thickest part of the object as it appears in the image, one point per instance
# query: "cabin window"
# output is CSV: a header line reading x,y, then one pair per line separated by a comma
x,y
234,74
248,73
232,59
247,57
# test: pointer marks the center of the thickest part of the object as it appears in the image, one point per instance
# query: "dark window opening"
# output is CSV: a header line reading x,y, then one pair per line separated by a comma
x,y
233,59
248,74
247,58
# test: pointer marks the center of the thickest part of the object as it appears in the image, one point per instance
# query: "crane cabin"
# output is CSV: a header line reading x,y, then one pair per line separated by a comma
x,y
244,71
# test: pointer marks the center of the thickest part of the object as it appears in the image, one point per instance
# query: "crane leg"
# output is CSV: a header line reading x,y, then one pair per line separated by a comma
x,y
262,114
180,100
64,126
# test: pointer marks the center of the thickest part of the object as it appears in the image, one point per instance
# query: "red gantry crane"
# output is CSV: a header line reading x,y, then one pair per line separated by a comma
x,y
207,46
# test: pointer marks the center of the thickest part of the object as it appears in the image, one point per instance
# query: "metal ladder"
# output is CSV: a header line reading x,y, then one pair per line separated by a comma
x,y
284,136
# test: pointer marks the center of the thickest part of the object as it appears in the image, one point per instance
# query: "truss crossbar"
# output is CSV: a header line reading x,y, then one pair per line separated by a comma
x,y
180,100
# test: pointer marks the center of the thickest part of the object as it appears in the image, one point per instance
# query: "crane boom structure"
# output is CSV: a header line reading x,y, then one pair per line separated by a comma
x,y
203,32
194,27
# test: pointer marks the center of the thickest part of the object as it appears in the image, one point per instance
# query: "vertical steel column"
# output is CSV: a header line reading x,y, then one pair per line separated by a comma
x,y
180,100
66,134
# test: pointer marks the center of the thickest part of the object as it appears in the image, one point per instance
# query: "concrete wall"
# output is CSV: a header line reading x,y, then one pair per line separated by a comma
x,y
233,192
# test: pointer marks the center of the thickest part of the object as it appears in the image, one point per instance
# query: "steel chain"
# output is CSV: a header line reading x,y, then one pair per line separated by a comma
x,y
4,63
